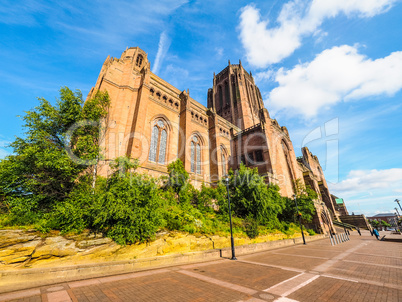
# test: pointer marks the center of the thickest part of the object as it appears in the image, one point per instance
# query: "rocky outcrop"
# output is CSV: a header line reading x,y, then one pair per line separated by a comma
x,y
23,249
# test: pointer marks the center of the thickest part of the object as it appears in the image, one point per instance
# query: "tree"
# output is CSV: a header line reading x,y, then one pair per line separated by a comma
x,y
41,171
305,202
251,197
178,176
129,209
86,140
374,223
385,224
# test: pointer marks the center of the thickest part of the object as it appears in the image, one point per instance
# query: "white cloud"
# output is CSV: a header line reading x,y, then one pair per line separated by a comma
x,y
335,74
219,52
369,191
267,44
163,47
366,181
262,76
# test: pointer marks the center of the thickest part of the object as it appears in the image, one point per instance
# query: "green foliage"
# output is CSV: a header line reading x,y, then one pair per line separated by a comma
x,y
41,173
375,223
252,197
385,224
85,140
251,227
128,210
305,202
310,232
178,177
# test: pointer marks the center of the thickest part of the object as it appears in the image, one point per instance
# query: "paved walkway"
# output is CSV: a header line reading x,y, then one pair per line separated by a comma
x,y
362,269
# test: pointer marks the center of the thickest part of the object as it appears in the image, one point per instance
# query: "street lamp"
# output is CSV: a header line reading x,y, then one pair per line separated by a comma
x,y
230,220
397,201
299,214
397,211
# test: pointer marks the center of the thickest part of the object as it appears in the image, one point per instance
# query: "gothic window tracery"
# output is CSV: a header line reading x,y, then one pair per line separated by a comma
x,y
195,150
234,91
139,60
157,150
224,170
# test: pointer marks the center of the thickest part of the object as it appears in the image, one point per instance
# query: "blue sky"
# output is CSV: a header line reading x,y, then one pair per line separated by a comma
x,y
329,70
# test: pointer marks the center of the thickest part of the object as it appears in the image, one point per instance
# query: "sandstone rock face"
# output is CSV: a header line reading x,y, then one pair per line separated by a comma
x,y
23,249
11,237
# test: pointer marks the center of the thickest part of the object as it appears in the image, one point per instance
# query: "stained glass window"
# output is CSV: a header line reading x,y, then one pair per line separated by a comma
x,y
157,149
223,164
154,143
198,159
192,157
195,155
162,147
160,124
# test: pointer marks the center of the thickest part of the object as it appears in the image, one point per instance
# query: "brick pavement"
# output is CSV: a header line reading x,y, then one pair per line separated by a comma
x,y
362,269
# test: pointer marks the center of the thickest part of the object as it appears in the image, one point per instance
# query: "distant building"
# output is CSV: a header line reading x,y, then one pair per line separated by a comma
x,y
340,206
387,217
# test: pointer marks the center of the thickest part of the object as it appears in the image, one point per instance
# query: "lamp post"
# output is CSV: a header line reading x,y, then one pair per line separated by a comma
x,y
299,214
397,201
230,220
397,211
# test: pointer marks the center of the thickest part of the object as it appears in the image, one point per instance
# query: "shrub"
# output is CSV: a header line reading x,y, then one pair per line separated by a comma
x,y
251,227
128,210
310,232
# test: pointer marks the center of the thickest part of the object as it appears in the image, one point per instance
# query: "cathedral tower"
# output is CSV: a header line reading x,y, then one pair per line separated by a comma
x,y
235,97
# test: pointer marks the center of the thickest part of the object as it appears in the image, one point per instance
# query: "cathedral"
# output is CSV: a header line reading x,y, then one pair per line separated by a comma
x,y
157,123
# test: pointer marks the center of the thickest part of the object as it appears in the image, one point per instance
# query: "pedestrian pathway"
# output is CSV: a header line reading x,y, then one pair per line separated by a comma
x,y
362,269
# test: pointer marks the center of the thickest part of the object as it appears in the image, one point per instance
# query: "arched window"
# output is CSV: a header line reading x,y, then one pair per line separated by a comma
x,y
157,150
195,155
220,97
227,94
139,60
224,171
234,91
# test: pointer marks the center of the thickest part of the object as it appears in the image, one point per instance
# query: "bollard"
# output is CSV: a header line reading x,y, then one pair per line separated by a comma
x,y
330,239
337,238
343,237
